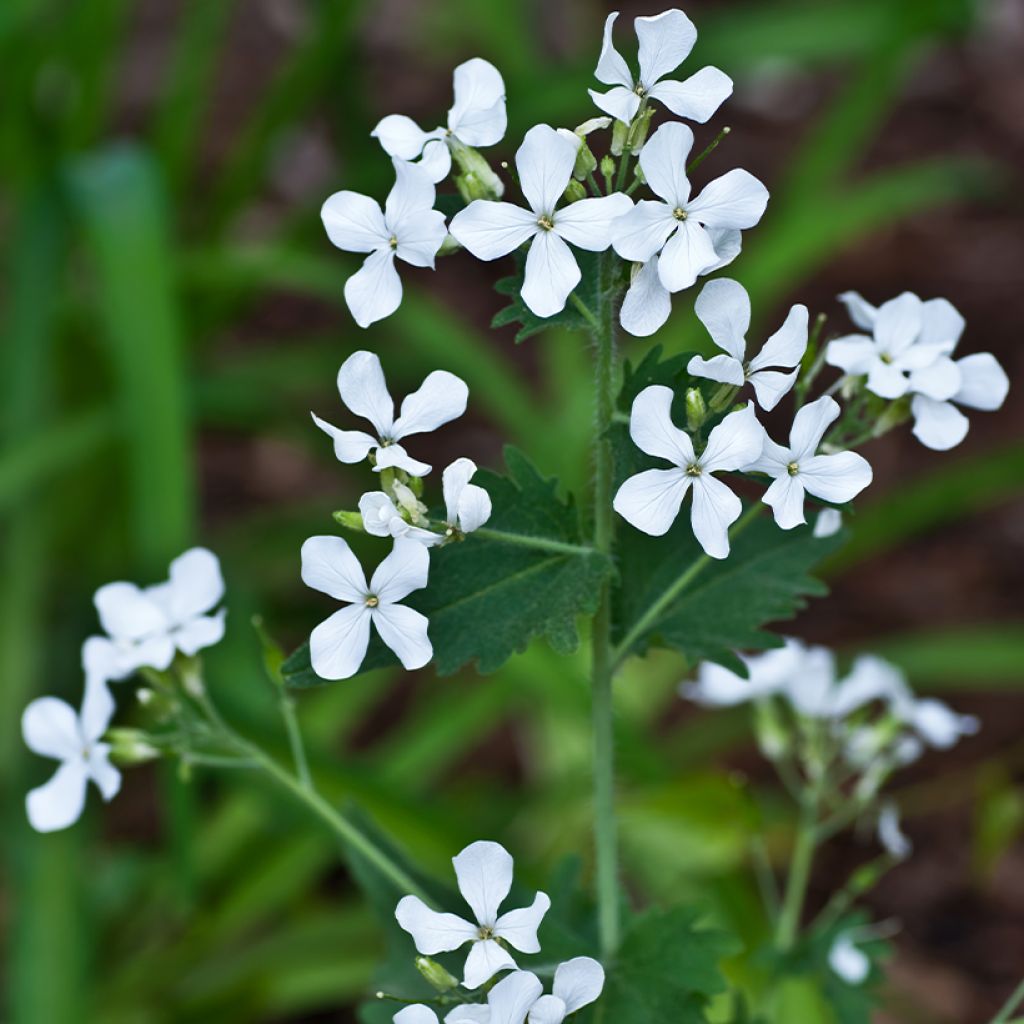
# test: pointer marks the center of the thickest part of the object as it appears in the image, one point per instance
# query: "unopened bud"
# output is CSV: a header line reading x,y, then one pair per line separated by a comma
x,y
773,739
696,409
638,129
586,162
449,246
574,191
350,520
619,135
607,166
130,746
435,974
477,180
593,124
190,671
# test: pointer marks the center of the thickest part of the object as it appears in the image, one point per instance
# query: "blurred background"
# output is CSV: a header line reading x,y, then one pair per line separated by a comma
x,y
171,311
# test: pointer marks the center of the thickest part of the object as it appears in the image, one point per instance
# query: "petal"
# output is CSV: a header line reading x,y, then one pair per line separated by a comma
x,y
490,229
155,652
519,927
735,443
854,354
849,962
363,390
648,302
665,42
432,932
416,1014
98,767
728,243
652,429
770,386
786,347
828,523
101,659
477,116
809,426
510,1000
486,958
127,613
939,725
723,307
545,161
411,196
394,456
551,274
611,68
663,161
939,380
196,584
404,570
349,445
379,513
454,480
337,646
718,687
58,803
715,509
354,222
200,632
374,291
837,478
871,678
941,324
898,323
697,97
785,497
621,102
50,728
983,382
650,500
547,1010
862,313
640,233
328,565
578,982
886,380
773,460
724,369
404,630
419,239
588,222
441,398
474,508
469,1013
484,872
938,425
435,163
688,253
890,835
401,136
735,200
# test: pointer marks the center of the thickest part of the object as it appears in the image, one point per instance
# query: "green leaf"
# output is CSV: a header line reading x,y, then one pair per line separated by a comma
x,y
527,574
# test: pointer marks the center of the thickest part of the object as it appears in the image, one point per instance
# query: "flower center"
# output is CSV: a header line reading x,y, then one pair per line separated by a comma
x,y
393,242
693,469
793,468
545,222
886,358
640,89
679,213
485,932
372,601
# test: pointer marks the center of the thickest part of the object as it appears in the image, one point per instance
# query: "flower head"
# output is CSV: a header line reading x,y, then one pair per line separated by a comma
x,y
767,674
577,983
849,961
508,1002
665,42
440,398
491,229
408,227
467,506
651,500
381,518
484,873
338,645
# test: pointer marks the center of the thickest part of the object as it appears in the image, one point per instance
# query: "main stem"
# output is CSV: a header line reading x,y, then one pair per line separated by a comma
x,y
799,874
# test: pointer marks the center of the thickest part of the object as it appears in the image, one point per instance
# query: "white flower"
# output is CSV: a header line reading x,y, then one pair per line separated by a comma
x,y
935,722
381,518
578,983
145,626
849,962
507,1003
467,506
491,229
665,42
767,673
723,307
52,728
440,399
828,523
484,872
338,645
477,118
890,835
676,225
797,469
651,500
408,227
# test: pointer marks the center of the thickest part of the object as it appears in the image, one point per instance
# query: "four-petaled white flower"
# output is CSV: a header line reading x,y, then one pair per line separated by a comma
x,y
508,1002
491,229
578,982
677,226
890,835
849,961
797,470
338,645
146,625
52,728
408,227
440,398
665,42
467,506
484,873
381,518
651,500
477,118
723,307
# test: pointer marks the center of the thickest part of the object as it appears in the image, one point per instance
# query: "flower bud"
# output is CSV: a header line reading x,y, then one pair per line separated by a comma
x,y
449,246
593,124
619,135
477,180
586,162
696,409
638,129
574,191
607,166
350,520
130,746
435,974
773,739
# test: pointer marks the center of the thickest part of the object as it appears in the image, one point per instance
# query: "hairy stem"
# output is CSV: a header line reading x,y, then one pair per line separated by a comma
x,y
799,874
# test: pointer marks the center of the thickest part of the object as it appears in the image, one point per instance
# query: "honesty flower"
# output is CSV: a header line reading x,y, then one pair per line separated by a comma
x,y
440,398
467,506
477,118
408,228
507,1003
665,42
651,500
890,835
52,728
338,645
723,307
767,673
145,626
578,982
491,229
848,961
676,226
381,518
484,873
797,469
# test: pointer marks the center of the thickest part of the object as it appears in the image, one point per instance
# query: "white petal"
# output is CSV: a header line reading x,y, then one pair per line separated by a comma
x,y
640,233
735,443
196,584
404,570
773,460
394,456
898,323
200,632
940,379
379,515
728,243
770,386
871,678
663,161
941,324
519,927
940,725
101,659
411,196
328,565
401,136
862,313
984,383
432,932
354,222
364,392
545,161
58,803
724,369
650,500
697,97
810,424
551,274
469,1013
578,982
490,229
837,478
854,354
648,302
652,429
886,380
890,835
665,42
484,872
723,307
486,958
435,163
511,999
98,767
349,445
687,254
441,398
588,222
474,508
828,523
454,480
337,646
404,630
715,509
611,67
787,345
374,291
735,200
938,425
785,497
849,962
420,238
478,116
50,728
622,103
547,1010
127,613
154,652
416,1014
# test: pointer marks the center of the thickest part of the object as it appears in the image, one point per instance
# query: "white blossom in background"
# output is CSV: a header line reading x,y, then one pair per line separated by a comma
x,y
490,229
677,226
651,500
145,626
381,518
935,722
890,835
52,728
508,1002
665,41
338,645
477,118
408,228
484,873
578,982
767,673
849,961
797,469
828,523
723,307
441,398
467,505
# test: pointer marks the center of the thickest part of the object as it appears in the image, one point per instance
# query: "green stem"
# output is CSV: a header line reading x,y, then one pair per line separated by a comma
x,y
799,874
707,151
298,749
526,541
1011,1004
